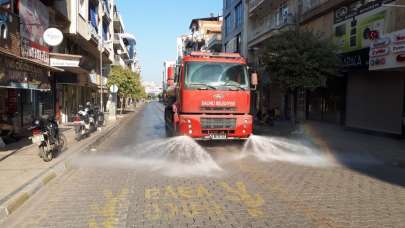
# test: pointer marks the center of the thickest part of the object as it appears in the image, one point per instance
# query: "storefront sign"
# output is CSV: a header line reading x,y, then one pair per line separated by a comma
x,y
355,23
19,74
357,8
399,38
395,58
34,20
355,59
64,62
376,52
53,36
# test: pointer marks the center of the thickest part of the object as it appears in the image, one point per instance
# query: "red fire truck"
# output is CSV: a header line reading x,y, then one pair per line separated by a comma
x,y
209,97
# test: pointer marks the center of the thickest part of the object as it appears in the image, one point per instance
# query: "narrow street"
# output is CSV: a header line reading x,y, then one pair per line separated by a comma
x,y
139,178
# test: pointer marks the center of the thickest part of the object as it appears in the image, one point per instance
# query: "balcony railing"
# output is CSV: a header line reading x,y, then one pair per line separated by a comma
x,y
272,22
214,39
93,32
309,5
253,4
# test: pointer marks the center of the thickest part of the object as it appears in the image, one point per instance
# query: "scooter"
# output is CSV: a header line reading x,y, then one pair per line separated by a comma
x,y
82,123
45,133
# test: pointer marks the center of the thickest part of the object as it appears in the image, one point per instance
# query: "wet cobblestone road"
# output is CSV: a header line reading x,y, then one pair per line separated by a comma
x,y
110,188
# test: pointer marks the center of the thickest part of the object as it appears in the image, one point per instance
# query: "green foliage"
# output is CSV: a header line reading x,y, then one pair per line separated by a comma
x,y
128,82
300,59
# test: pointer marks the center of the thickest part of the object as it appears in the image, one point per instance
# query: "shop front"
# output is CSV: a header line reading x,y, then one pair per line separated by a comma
x,y
25,92
74,86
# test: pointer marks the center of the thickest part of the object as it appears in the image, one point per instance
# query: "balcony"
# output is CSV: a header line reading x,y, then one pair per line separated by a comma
x,y
254,4
270,23
118,23
94,33
118,61
215,43
314,8
120,46
261,7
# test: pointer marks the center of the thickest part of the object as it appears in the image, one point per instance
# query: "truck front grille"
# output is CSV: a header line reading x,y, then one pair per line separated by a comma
x,y
218,123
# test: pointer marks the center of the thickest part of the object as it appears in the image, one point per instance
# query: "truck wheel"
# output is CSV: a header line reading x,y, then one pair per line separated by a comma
x,y
168,116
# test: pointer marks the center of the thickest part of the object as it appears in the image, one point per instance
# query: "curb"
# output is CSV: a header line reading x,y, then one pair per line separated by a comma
x,y
18,199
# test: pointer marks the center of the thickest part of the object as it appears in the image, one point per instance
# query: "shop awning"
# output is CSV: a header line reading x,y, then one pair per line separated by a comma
x,y
34,62
24,87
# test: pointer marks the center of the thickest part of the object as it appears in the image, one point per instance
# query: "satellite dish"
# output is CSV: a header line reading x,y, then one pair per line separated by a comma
x,y
53,36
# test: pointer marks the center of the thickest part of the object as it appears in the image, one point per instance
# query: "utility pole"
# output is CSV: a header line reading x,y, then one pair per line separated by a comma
x,y
101,74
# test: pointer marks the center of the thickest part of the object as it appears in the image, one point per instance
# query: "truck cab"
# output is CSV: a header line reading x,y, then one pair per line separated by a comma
x,y
209,97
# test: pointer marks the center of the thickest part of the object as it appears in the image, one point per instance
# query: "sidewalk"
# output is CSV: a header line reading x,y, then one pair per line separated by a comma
x,y
347,144
343,145
23,172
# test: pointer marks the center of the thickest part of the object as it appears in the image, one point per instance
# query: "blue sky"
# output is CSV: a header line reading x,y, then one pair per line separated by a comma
x,y
157,23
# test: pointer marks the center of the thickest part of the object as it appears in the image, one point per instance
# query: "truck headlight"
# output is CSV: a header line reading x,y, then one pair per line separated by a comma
x,y
190,132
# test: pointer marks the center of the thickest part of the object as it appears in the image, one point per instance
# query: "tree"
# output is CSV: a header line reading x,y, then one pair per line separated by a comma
x,y
128,82
300,60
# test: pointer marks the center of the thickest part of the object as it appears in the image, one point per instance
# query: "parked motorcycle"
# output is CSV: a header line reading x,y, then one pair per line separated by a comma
x,y
82,123
92,116
99,116
45,133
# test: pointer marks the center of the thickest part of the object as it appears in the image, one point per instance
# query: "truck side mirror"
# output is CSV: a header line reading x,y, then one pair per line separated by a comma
x,y
253,79
170,82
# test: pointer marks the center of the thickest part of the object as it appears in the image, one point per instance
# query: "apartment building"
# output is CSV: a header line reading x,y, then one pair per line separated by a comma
x,y
85,54
264,18
25,74
368,94
124,44
205,34
233,31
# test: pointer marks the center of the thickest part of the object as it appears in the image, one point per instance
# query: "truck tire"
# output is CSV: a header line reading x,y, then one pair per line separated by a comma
x,y
168,116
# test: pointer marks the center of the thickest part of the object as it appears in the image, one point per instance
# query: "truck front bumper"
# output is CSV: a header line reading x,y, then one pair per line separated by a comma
x,y
215,127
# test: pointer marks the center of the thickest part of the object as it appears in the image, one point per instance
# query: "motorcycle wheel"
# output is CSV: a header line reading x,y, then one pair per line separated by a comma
x,y
79,134
41,151
61,143
48,156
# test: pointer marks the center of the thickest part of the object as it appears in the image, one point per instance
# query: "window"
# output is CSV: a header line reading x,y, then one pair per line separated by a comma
x,y
10,5
93,16
217,75
238,15
105,31
228,24
228,3
6,4
282,14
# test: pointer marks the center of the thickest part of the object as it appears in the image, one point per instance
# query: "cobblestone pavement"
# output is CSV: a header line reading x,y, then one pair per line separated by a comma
x,y
111,192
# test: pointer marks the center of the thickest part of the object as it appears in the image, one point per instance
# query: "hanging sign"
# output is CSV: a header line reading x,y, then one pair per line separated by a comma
x,y
53,36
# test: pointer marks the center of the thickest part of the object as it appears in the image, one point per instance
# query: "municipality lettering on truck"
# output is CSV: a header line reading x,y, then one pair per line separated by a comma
x,y
208,97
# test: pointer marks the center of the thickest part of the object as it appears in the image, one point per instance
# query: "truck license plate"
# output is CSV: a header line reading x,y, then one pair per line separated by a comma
x,y
218,136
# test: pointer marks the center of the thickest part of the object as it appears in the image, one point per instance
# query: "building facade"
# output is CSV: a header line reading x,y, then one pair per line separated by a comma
x,y
205,34
25,74
369,99
264,18
368,94
38,80
233,30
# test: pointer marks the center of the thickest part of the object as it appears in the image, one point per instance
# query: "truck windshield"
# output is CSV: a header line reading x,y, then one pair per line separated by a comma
x,y
208,75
